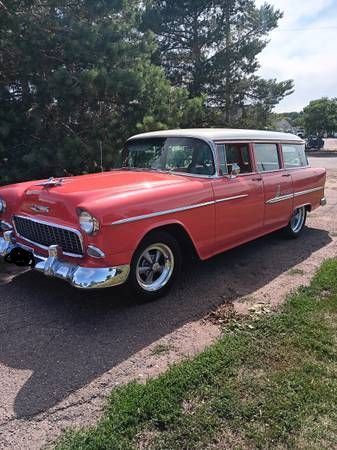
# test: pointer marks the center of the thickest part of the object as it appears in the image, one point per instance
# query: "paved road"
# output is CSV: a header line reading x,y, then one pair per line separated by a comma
x,y
55,340
329,161
330,144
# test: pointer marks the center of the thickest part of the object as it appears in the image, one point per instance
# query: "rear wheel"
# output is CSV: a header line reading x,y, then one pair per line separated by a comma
x,y
296,223
155,266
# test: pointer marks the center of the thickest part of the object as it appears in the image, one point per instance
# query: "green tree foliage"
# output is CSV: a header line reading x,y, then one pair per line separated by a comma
x,y
320,116
211,48
296,119
76,78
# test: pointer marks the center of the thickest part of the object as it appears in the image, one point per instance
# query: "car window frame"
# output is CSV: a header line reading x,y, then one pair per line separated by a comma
x,y
297,167
279,154
211,144
236,142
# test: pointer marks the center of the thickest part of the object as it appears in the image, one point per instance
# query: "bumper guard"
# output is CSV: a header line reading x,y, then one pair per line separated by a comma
x,y
77,276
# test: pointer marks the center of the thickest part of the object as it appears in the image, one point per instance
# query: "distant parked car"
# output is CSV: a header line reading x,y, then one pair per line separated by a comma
x,y
314,143
208,190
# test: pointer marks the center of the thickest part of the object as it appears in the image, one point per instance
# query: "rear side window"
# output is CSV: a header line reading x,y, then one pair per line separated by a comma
x,y
231,154
267,157
294,156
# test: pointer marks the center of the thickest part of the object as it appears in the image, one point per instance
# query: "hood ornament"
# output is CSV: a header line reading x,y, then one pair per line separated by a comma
x,y
51,182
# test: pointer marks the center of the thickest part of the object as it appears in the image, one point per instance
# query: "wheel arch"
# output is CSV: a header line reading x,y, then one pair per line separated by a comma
x,y
307,206
179,232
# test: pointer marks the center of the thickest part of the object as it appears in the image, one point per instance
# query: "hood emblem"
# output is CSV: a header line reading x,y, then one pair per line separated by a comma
x,y
51,182
40,209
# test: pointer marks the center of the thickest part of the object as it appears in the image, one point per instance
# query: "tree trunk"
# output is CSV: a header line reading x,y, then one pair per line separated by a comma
x,y
196,58
227,67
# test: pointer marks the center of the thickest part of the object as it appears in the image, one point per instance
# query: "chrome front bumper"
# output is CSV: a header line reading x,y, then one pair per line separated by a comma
x,y
77,276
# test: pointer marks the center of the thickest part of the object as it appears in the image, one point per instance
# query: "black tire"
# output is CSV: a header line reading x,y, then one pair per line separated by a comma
x,y
294,228
167,245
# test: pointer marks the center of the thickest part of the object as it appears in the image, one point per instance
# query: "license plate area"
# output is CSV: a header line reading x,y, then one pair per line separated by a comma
x,y
20,257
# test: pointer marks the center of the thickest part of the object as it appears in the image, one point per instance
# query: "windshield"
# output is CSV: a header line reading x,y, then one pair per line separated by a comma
x,y
183,155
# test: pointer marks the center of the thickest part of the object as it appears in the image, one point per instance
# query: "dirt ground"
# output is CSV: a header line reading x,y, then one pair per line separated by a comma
x,y
62,351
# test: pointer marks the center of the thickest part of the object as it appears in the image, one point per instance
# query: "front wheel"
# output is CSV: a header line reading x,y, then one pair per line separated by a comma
x,y
296,223
155,266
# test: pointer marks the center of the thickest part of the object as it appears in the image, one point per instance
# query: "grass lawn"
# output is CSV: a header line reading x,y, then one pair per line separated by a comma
x,y
270,384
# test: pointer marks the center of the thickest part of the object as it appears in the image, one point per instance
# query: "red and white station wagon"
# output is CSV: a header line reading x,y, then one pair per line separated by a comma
x,y
208,190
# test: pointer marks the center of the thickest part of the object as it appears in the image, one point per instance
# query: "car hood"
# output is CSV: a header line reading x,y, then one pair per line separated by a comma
x,y
61,200
114,182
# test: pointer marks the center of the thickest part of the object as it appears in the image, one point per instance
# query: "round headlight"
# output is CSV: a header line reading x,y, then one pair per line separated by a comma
x,y
88,223
2,206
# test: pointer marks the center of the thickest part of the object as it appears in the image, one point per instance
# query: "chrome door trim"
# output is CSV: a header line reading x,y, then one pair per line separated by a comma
x,y
281,198
308,191
201,205
227,199
176,210
161,213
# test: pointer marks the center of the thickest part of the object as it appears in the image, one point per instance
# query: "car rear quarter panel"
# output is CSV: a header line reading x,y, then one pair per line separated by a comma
x,y
305,180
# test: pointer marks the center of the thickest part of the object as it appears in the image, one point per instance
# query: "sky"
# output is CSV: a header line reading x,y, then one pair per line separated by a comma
x,y
303,48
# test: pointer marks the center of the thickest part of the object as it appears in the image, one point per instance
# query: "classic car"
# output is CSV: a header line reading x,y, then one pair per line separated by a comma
x,y
177,191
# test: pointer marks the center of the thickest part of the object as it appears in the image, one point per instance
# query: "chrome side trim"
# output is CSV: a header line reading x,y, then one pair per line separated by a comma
x,y
281,198
161,213
308,191
175,210
201,205
52,224
227,199
192,175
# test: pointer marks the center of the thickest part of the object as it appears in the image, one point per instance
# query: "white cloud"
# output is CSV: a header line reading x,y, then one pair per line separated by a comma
x,y
308,55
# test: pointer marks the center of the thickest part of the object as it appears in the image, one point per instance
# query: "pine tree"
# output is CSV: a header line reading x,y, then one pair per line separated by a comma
x,y
211,48
76,79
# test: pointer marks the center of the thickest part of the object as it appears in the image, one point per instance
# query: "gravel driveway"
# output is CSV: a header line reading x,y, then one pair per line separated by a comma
x,y
62,350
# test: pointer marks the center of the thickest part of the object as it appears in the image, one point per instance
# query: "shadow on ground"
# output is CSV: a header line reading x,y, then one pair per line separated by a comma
x,y
69,337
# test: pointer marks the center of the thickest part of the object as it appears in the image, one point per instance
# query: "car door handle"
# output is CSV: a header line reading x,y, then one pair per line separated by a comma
x,y
286,175
257,179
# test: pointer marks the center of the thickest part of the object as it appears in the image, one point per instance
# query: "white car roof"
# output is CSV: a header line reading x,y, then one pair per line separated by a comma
x,y
218,134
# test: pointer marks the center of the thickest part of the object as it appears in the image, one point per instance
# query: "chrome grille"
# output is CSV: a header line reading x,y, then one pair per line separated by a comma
x,y
44,234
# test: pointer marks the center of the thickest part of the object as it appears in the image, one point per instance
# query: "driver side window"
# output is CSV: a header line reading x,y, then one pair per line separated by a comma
x,y
234,154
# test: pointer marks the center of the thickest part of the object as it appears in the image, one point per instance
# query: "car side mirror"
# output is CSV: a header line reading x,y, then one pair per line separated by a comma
x,y
235,171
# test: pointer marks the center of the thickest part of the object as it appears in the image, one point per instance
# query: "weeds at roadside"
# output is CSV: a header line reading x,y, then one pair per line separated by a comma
x,y
161,349
295,272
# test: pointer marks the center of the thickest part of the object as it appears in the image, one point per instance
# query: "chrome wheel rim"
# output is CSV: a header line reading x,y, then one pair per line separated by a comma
x,y
297,220
155,267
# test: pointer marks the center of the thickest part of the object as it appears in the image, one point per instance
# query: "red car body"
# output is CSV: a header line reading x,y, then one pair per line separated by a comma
x,y
216,212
